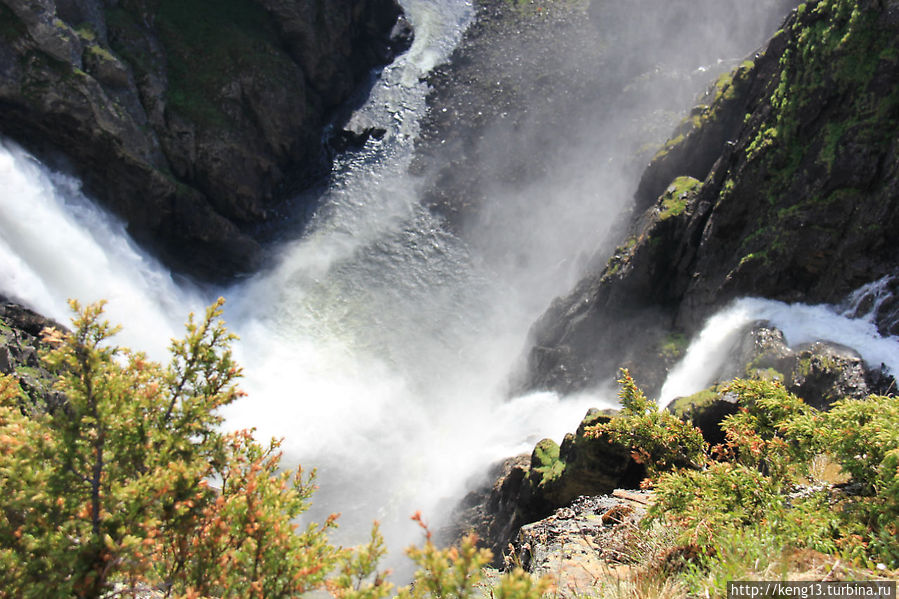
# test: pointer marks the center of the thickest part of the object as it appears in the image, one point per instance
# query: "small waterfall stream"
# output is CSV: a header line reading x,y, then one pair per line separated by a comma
x,y
800,323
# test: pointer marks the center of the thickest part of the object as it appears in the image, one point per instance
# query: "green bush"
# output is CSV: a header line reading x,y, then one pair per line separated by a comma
x,y
128,485
700,502
768,450
110,489
756,436
655,438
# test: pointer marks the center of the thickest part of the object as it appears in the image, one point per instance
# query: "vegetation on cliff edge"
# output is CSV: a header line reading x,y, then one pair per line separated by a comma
x,y
788,478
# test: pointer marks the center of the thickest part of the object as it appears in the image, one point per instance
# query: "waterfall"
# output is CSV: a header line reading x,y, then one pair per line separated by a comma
x,y
800,323
55,244
377,344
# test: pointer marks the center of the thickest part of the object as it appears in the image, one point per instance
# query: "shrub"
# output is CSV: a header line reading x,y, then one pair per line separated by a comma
x,y
701,502
457,573
761,434
655,438
128,485
769,446
110,489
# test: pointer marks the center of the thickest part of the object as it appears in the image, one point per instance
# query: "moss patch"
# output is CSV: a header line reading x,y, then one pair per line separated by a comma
x,y
545,461
684,406
673,346
836,51
676,197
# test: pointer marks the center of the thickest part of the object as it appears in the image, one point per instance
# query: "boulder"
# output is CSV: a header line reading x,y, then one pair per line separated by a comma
x,y
582,465
582,543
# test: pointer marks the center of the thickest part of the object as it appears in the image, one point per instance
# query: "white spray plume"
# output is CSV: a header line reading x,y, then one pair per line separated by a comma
x,y
379,345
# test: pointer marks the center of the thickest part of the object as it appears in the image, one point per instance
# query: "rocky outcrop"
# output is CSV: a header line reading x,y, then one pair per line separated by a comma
x,y
578,545
183,116
783,183
524,489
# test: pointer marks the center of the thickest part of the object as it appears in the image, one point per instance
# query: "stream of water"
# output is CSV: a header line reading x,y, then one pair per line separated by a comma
x,y
378,345
800,323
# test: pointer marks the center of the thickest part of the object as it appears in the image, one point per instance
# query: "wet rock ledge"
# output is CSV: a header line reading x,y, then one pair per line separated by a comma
x,y
185,117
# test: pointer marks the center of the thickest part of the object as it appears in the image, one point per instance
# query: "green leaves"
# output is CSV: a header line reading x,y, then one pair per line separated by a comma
x,y
655,438
770,445
110,487
128,484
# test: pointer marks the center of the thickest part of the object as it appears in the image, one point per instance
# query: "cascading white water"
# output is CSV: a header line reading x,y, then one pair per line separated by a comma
x,y
800,323
55,244
378,344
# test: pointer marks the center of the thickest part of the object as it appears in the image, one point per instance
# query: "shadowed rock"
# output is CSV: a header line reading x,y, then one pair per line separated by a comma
x,y
186,117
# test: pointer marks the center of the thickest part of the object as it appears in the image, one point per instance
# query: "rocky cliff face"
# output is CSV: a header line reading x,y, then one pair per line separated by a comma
x,y
782,183
185,116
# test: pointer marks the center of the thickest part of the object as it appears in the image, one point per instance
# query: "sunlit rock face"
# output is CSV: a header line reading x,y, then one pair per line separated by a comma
x,y
185,117
795,198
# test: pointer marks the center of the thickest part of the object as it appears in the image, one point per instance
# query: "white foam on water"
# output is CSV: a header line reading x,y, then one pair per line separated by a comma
x,y
800,323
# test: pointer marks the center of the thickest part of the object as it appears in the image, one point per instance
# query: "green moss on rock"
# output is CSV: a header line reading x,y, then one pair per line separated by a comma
x,y
676,197
673,347
683,407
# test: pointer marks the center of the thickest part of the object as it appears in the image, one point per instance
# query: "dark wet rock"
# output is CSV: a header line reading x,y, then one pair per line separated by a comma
x,y
346,139
706,410
879,301
185,118
801,202
820,372
20,347
493,510
25,320
622,317
825,372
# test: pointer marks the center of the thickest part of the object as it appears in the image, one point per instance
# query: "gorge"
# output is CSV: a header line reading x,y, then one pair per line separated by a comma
x,y
386,313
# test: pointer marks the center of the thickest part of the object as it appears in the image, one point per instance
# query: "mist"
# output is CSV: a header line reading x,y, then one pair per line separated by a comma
x,y
580,99
380,342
